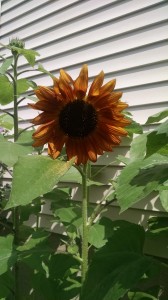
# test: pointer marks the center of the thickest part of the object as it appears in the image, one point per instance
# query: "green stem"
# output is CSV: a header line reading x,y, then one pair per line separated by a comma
x,y
16,129
16,210
85,221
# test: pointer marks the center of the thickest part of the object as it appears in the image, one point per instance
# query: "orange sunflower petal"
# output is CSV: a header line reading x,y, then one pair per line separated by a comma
x,y
96,85
44,130
44,105
81,83
45,93
66,90
108,87
66,77
43,118
55,146
56,85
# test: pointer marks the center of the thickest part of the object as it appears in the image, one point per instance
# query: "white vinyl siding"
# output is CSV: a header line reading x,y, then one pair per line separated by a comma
x,y
128,39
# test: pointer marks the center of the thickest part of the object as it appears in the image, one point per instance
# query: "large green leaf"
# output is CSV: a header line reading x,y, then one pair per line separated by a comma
x,y
119,265
34,176
6,90
157,117
7,254
140,178
9,152
5,65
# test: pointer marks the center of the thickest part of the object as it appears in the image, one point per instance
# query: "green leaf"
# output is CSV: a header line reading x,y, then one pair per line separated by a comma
x,y
6,121
157,143
68,213
134,127
37,237
60,283
163,128
9,152
119,265
138,147
6,90
23,85
140,296
5,65
7,285
140,178
121,233
25,138
164,196
34,176
112,275
29,54
100,232
58,194
7,254
97,235
157,117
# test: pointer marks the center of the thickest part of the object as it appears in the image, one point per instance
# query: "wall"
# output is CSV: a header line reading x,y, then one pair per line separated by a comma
x,y
126,38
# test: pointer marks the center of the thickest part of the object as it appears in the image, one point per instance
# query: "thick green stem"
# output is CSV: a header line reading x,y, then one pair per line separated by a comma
x,y
16,211
15,98
85,221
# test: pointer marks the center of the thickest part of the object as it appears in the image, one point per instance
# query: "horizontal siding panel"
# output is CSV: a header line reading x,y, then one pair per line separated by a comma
x,y
20,7
31,10
48,17
89,20
136,54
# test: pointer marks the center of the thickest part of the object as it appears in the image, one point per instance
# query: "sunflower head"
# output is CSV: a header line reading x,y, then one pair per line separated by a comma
x,y
87,121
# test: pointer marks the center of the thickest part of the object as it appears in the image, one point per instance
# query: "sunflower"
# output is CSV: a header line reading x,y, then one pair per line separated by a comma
x,y
88,124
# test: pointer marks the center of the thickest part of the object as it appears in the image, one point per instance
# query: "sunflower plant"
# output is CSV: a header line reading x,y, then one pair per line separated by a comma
x,y
92,256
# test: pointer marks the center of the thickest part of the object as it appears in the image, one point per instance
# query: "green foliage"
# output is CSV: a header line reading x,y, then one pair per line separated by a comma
x,y
29,54
5,65
118,266
23,85
157,117
6,90
35,176
9,152
116,269
140,296
157,141
7,254
134,127
140,178
6,121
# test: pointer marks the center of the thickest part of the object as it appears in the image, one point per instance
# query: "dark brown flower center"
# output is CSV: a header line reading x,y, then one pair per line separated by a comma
x,y
78,119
